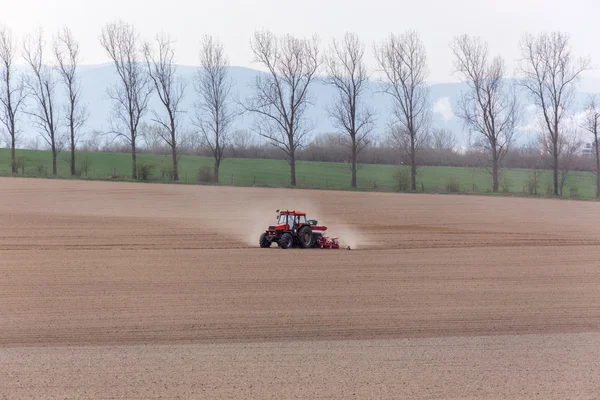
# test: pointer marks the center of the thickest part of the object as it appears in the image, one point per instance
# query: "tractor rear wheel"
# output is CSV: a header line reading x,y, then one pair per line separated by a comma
x,y
305,237
285,241
263,241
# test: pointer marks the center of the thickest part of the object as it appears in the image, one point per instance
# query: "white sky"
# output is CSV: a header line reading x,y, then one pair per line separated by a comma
x,y
501,22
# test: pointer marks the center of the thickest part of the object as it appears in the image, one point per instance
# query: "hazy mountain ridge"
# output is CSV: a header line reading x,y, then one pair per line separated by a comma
x,y
96,79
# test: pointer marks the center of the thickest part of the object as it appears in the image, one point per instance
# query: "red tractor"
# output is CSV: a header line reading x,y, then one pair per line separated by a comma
x,y
294,230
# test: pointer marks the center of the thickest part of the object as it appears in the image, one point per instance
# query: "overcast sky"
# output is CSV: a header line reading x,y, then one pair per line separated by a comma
x,y
502,23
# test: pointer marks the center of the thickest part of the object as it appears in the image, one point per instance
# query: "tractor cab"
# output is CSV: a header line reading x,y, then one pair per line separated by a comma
x,y
290,220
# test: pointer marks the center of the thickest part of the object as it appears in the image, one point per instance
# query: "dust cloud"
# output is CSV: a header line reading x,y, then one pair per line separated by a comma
x,y
246,224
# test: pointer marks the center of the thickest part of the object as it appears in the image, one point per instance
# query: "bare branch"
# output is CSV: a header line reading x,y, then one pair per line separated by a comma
x,y
550,75
131,95
347,74
442,139
170,88
281,97
489,107
403,61
42,87
592,125
214,113
66,53
12,91
570,145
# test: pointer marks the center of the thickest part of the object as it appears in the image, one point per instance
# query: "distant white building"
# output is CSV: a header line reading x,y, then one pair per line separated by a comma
x,y
588,149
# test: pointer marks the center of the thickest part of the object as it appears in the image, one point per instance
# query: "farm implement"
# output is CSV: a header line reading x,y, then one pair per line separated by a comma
x,y
293,229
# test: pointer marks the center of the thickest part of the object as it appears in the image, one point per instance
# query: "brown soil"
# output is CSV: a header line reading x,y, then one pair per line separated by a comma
x,y
118,290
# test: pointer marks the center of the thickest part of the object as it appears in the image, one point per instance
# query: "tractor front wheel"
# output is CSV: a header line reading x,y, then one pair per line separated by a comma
x,y
285,241
263,241
305,237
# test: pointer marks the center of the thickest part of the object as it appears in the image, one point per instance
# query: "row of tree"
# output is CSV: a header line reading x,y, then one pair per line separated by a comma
x,y
142,69
40,85
548,72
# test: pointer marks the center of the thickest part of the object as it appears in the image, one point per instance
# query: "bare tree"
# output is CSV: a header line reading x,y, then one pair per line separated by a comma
x,y
41,86
282,96
66,51
131,94
214,113
592,125
403,61
93,142
489,107
190,142
151,138
550,75
12,91
531,155
569,147
242,139
348,75
443,139
170,88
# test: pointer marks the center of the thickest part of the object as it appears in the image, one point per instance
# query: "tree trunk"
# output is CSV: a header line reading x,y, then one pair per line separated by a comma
x,y
562,184
597,169
13,155
413,165
216,170
73,169
293,170
54,159
174,151
175,170
133,163
555,156
495,180
353,183
555,169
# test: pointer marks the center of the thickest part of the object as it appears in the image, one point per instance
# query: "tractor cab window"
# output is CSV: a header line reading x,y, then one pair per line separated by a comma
x,y
292,220
283,219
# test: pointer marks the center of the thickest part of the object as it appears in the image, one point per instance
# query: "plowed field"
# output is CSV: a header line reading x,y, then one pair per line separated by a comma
x,y
120,290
